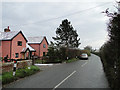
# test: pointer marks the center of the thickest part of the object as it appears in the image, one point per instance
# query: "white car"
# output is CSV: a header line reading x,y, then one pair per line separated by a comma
x,y
83,56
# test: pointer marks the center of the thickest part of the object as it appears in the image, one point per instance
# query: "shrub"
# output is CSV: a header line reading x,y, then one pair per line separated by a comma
x,y
35,68
71,60
20,73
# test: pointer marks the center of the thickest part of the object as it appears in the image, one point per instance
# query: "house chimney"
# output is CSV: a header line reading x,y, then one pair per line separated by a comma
x,y
7,29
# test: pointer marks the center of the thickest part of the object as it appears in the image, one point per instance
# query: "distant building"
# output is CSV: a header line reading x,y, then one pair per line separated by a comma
x,y
40,44
13,45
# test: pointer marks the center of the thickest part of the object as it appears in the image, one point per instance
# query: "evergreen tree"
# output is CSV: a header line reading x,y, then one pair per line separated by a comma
x,y
66,36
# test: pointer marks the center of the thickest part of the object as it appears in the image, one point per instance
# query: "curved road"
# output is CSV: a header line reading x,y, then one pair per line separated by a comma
x,y
79,74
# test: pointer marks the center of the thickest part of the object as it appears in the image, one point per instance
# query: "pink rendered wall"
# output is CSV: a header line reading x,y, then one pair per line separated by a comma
x,y
36,47
39,48
33,53
43,49
16,48
6,48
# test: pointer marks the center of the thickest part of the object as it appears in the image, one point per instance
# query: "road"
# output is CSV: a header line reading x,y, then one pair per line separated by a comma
x,y
78,74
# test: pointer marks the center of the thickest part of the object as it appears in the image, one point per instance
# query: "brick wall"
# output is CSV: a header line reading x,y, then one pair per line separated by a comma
x,y
6,67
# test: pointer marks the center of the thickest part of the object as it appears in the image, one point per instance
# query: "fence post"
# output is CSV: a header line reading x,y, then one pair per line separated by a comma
x,y
14,67
28,64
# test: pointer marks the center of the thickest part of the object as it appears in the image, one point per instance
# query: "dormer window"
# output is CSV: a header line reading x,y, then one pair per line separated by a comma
x,y
19,43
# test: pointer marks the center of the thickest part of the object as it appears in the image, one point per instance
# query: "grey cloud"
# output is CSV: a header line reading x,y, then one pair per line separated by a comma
x,y
90,25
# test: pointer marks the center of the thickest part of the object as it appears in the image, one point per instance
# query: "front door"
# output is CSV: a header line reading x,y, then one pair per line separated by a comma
x,y
23,56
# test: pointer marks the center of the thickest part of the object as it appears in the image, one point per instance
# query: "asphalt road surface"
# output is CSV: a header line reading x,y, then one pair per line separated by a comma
x,y
79,74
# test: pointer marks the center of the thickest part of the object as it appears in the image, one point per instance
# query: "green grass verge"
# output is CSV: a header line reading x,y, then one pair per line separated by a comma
x,y
0,77
71,60
8,77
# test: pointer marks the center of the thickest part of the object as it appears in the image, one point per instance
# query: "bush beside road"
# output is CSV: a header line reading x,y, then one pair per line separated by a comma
x,y
71,60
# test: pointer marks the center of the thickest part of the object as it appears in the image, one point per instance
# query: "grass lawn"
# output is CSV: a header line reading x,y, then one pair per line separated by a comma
x,y
8,77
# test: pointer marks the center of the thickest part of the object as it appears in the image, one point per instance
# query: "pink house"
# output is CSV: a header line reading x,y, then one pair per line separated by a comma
x,y
13,45
40,44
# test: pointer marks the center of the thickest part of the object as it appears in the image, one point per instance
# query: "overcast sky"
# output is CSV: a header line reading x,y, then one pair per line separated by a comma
x,y
38,18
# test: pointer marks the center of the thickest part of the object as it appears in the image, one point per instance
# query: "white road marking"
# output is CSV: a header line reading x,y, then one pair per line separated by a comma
x,y
63,80
84,64
68,77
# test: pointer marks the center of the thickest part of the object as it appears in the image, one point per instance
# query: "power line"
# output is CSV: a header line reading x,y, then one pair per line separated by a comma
x,y
42,21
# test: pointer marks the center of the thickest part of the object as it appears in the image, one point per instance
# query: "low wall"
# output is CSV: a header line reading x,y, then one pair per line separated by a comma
x,y
6,67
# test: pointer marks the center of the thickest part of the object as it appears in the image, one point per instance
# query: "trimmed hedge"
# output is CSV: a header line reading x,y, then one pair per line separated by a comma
x,y
86,51
8,77
40,61
71,60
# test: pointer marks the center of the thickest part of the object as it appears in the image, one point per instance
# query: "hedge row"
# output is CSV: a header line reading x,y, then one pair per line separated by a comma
x,y
110,51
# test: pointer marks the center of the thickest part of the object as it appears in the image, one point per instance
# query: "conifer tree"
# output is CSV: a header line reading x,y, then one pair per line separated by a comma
x,y
66,36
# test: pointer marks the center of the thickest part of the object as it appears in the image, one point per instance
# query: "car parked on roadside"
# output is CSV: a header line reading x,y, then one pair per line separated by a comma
x,y
83,56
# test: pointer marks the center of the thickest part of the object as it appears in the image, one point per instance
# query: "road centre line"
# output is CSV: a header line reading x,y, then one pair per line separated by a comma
x,y
68,77
64,80
84,64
